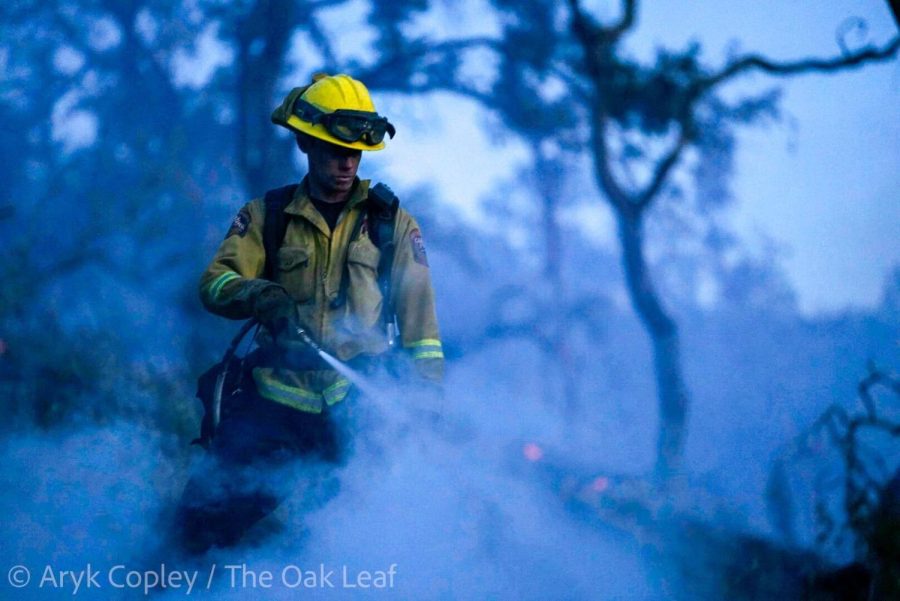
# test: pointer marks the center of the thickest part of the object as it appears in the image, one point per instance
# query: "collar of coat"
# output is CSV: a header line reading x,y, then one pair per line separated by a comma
x,y
302,205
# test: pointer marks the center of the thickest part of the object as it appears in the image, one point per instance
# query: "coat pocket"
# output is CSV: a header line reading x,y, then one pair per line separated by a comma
x,y
363,296
296,272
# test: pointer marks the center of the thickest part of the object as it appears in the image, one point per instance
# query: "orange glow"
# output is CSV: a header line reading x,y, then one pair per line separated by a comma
x,y
532,452
600,484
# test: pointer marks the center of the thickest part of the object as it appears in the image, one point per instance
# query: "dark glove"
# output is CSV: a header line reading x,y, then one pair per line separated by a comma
x,y
274,308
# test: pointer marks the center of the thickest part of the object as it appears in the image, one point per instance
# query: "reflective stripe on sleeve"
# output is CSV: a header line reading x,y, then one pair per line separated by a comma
x,y
428,348
337,392
215,287
270,387
292,396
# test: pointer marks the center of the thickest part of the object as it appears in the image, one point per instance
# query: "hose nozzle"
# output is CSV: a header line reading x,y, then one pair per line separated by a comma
x,y
301,333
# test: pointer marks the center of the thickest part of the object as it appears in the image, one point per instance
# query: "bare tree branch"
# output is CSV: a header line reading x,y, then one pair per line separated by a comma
x,y
895,10
465,43
808,65
602,69
315,6
309,15
388,75
661,172
322,42
573,82
421,48
629,12
588,29
459,90
588,33
603,166
257,71
135,48
582,24
876,378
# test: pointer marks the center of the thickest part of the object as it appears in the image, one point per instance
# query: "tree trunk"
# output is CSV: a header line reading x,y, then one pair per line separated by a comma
x,y
663,333
548,187
262,41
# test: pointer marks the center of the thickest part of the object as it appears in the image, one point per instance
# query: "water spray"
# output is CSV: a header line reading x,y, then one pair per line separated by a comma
x,y
361,382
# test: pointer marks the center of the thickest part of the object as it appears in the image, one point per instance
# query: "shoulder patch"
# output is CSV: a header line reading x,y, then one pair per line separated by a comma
x,y
240,224
418,247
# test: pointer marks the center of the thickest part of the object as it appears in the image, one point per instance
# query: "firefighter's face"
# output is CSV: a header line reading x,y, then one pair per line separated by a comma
x,y
332,167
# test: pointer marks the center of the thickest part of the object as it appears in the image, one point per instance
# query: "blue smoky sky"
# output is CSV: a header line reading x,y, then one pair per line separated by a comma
x,y
824,184
820,185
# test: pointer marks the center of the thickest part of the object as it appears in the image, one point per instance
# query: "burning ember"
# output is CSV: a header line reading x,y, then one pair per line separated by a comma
x,y
600,484
532,452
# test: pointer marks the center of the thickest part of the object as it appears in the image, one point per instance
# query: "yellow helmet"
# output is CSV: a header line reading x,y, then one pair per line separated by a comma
x,y
337,109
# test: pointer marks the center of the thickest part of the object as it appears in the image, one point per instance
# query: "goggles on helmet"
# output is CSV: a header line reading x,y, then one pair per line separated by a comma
x,y
346,125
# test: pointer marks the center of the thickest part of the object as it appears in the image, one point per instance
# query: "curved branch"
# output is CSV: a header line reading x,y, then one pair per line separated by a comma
x,y
584,26
576,86
630,203
466,43
848,61
420,48
432,86
809,65
874,379
895,10
587,32
661,172
314,6
320,38
629,12
614,192
592,33
389,74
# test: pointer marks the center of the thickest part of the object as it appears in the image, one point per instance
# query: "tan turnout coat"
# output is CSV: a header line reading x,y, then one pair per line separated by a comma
x,y
312,263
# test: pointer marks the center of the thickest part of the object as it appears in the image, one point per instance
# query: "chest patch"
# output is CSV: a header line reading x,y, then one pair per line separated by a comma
x,y
418,247
364,228
240,224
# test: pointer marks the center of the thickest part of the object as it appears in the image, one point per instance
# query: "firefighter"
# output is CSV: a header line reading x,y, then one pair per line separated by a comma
x,y
329,285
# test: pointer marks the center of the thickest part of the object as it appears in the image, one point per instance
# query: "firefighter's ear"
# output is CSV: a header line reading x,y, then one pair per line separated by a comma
x,y
303,142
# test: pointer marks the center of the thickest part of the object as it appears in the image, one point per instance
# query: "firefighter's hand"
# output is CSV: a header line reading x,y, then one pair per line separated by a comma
x,y
275,309
293,346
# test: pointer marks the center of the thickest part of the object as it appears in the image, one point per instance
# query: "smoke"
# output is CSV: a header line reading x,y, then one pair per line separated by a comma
x,y
444,503
442,509
89,495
